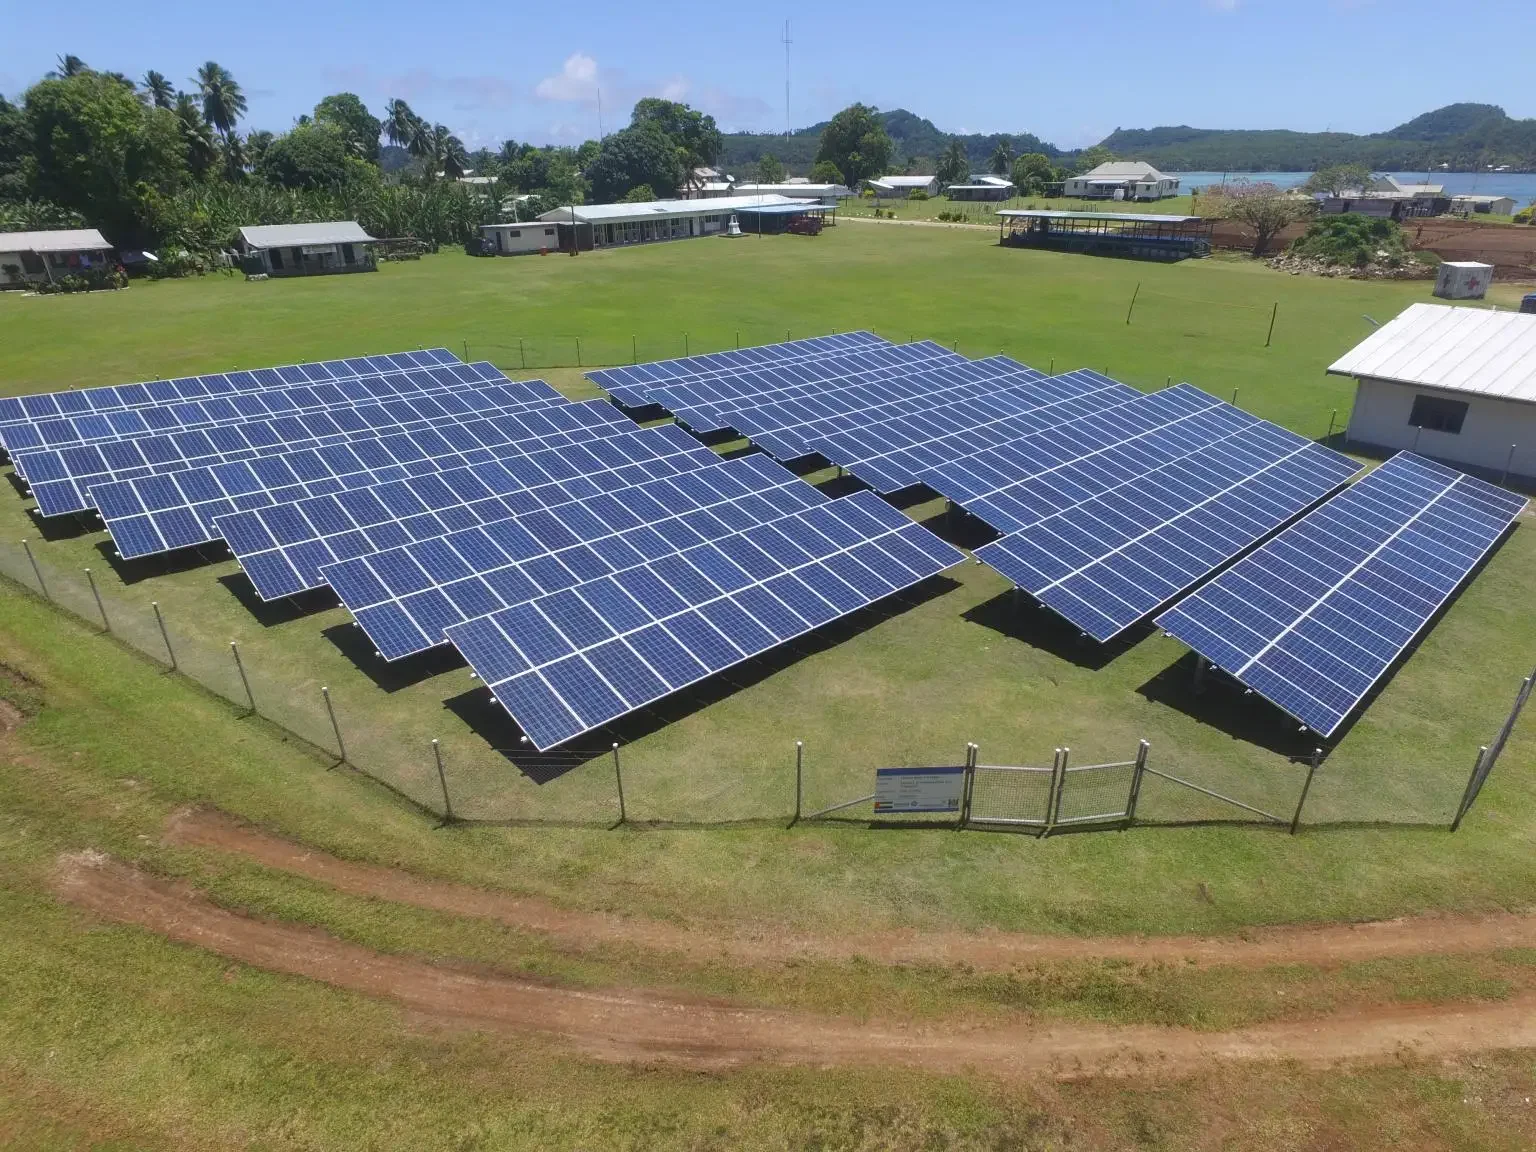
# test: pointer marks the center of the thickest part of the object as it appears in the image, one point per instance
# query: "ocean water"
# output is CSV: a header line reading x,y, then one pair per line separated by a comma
x,y
1520,185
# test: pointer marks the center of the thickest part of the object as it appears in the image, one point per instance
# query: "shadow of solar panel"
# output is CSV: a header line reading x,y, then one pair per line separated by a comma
x,y
1315,618
1117,554
688,617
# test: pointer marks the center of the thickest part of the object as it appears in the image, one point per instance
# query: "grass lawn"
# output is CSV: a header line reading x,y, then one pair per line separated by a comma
x,y
909,684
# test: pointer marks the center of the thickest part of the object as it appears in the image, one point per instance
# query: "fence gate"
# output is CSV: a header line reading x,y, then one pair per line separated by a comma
x,y
1061,796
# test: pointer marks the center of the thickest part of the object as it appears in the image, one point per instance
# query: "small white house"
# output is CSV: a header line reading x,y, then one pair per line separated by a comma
x,y
520,239
588,226
309,249
900,187
40,257
1498,205
1457,384
981,186
1122,180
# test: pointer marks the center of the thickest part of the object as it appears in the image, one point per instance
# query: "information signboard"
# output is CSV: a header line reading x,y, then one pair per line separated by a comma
x,y
919,789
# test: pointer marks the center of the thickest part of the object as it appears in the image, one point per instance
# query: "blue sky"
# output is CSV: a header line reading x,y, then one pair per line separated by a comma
x,y
1066,72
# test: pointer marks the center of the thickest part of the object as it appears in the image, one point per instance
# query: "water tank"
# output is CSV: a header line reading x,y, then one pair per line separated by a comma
x,y
1528,303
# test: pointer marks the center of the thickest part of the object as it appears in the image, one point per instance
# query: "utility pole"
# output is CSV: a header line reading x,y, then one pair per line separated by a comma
x,y
788,126
599,115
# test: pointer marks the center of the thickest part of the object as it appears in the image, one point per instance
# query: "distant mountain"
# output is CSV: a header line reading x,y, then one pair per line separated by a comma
x,y
918,144
1461,136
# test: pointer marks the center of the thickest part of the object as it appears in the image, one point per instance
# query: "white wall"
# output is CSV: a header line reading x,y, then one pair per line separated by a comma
x,y
1380,420
515,239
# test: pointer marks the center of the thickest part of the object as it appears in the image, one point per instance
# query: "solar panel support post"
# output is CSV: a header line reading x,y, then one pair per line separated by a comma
x,y
100,607
164,635
1275,311
1137,772
685,344
240,668
618,782
799,780
1469,791
634,349
1317,759
442,780
36,571
1202,666
330,709
1487,757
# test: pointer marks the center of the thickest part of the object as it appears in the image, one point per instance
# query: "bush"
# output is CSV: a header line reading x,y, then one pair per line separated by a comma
x,y
1525,215
91,280
1350,238
917,194
177,263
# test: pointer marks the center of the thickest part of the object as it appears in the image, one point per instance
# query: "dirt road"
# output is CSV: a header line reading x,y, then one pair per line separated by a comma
x,y
987,951
628,1025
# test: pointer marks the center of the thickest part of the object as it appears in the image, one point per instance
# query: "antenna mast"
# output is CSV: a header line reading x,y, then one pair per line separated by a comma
x,y
788,127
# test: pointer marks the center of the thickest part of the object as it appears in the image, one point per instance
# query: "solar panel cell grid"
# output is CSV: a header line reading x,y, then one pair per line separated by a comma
x,y
1317,616
557,684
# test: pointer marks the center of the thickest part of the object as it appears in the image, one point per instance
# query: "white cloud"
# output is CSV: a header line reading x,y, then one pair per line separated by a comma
x,y
1222,5
675,89
575,83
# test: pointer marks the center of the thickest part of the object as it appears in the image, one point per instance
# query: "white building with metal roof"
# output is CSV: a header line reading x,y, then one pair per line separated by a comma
x,y
889,187
982,186
307,249
39,257
612,225
1122,180
1458,384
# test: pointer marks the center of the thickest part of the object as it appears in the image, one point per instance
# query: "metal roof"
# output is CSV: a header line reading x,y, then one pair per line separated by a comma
x,y
1455,349
1125,170
659,209
296,235
1149,217
54,240
799,207
801,188
905,181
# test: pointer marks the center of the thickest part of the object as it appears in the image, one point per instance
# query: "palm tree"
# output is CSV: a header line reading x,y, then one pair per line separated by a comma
x,y
159,89
196,135
223,102
68,65
954,164
400,124
256,145
1002,157
235,160
447,152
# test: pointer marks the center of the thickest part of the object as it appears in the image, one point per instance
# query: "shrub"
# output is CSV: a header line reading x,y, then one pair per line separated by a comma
x,y
917,194
1350,238
90,280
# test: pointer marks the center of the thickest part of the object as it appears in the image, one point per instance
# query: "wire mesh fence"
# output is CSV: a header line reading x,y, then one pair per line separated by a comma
x,y
465,760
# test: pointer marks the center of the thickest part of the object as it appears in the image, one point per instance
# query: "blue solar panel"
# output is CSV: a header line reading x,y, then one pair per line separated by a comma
x,y
508,563
61,479
58,419
631,385
895,452
1106,561
133,509
558,683
283,547
1317,616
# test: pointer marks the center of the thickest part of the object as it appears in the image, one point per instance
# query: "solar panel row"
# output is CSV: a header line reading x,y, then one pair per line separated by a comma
x,y
62,480
570,661
894,453
1317,616
631,385
179,509
282,547
49,418
405,599
1106,560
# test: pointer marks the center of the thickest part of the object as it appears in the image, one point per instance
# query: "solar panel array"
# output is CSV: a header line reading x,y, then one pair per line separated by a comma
x,y
632,385
1318,615
283,547
43,419
570,661
1106,560
181,509
62,479
406,597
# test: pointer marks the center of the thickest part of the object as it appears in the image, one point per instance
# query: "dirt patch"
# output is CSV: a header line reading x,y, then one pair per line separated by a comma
x,y
627,1025
1326,944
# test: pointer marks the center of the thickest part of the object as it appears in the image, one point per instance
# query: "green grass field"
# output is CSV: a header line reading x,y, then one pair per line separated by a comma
x,y
911,684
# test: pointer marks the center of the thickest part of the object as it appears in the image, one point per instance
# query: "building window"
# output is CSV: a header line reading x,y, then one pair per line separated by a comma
x,y
277,259
1438,414
517,232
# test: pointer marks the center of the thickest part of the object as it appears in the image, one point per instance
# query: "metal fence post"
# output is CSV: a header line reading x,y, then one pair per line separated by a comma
x,y
164,635
442,780
1275,312
1467,792
578,352
685,344
1136,774
1058,783
100,607
1317,758
968,782
1333,418
799,779
335,727
36,571
634,349
521,356
240,667
1132,308
618,780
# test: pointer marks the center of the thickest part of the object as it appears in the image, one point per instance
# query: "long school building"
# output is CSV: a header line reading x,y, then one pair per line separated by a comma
x,y
616,225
